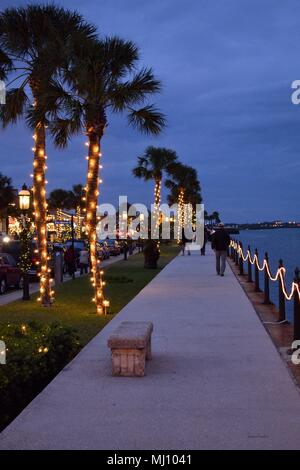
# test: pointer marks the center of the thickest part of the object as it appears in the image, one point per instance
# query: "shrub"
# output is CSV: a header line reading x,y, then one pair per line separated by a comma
x,y
34,355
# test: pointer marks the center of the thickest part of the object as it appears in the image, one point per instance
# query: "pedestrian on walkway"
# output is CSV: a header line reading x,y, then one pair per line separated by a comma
x,y
70,261
220,242
83,261
205,238
184,241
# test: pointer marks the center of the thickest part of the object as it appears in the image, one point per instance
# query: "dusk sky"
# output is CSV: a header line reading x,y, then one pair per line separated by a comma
x,y
226,69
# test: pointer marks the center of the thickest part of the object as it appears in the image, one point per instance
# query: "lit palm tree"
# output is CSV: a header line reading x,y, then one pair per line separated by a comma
x,y
34,43
185,190
151,166
103,79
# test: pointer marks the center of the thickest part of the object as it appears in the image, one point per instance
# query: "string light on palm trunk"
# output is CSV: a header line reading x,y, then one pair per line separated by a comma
x,y
180,214
91,199
40,214
157,198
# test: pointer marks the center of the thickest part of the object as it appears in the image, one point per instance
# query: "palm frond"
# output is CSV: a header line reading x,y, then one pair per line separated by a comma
x,y
147,119
15,106
63,129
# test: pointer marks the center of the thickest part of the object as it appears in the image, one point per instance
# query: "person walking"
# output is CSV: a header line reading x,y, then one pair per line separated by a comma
x,y
70,261
220,242
83,261
205,238
184,241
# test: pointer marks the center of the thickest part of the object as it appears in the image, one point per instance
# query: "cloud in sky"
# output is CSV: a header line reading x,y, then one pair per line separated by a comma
x,y
226,69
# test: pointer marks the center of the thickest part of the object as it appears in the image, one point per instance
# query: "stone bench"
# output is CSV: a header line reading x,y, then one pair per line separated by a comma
x,y
130,346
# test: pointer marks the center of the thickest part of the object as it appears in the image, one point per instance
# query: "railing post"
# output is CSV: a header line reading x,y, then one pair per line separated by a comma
x,y
281,296
296,308
249,266
237,255
231,252
266,281
241,263
256,274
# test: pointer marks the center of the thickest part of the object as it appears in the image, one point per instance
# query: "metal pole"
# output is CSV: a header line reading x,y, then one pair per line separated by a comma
x,y
296,308
249,266
241,263
256,274
266,282
281,297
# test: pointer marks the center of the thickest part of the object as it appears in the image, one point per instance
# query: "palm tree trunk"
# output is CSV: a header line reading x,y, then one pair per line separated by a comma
x,y
40,213
157,199
92,192
180,213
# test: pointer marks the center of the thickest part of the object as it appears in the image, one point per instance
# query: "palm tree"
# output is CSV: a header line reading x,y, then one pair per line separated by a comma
x,y
35,42
185,189
151,166
7,196
215,216
59,199
77,202
103,79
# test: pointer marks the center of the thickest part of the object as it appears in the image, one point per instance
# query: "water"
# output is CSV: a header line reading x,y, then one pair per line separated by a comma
x,y
281,243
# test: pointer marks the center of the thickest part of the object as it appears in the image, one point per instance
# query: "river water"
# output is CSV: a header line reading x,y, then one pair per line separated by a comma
x,y
281,243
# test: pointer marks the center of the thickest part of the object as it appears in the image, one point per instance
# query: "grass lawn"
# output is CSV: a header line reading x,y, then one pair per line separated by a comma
x,y
73,306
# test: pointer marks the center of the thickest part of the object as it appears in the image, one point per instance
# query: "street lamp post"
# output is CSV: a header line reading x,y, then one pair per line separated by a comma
x,y
25,261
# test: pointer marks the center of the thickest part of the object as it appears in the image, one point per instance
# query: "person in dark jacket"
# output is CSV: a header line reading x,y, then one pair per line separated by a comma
x,y
220,242
205,238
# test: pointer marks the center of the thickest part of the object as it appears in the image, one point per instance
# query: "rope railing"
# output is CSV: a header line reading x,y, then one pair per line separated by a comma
x,y
240,257
280,273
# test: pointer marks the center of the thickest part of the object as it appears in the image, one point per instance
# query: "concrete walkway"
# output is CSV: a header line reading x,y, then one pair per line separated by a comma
x,y
215,382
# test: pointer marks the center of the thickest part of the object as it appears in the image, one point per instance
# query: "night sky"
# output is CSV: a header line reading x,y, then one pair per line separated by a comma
x,y
226,68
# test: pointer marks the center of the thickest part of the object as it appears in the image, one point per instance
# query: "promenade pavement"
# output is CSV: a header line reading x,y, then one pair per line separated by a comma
x,y
216,380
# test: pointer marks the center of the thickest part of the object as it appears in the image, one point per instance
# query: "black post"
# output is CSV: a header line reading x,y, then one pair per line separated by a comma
x,y
72,232
241,263
26,295
281,296
266,282
296,308
237,255
256,274
249,266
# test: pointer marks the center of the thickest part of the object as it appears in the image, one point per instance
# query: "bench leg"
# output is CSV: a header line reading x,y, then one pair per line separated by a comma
x,y
128,362
149,350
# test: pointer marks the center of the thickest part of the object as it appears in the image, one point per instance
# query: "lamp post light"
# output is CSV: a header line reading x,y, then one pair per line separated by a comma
x,y
24,199
25,261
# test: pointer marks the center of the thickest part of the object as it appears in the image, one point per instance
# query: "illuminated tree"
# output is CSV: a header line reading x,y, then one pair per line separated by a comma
x,y
185,190
35,41
103,79
151,166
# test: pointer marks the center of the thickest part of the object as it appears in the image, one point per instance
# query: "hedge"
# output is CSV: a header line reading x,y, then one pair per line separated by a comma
x,y
34,355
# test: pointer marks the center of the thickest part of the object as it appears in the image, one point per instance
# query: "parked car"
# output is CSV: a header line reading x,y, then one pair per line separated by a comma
x,y
10,274
113,246
13,247
105,249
